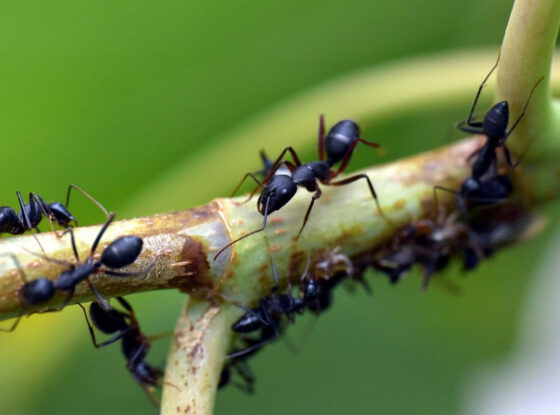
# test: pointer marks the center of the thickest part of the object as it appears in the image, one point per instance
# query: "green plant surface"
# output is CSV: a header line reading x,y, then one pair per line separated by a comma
x,y
114,96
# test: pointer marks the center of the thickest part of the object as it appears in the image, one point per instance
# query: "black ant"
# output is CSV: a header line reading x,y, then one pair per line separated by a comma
x,y
135,345
122,252
279,187
32,213
266,318
473,192
494,127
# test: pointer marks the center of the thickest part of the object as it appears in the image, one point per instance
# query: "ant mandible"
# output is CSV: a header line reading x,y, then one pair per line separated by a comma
x,y
135,345
494,127
32,213
279,187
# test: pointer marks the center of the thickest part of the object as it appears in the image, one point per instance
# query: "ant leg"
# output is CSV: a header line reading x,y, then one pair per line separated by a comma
x,y
27,222
102,302
474,154
73,243
128,274
45,256
278,161
136,356
474,128
522,112
252,348
315,196
469,120
92,333
371,189
13,326
125,304
101,232
321,138
265,216
47,213
252,176
436,200
66,302
243,370
18,265
95,202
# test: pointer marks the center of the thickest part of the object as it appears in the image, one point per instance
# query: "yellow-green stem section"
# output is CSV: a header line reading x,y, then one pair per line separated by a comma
x,y
202,338
526,56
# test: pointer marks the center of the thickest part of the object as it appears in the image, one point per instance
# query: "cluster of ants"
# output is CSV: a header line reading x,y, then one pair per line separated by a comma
x,y
121,252
481,224
470,232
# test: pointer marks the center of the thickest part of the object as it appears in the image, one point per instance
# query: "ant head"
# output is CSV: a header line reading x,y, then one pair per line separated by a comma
x,y
496,120
276,194
62,215
37,291
122,251
340,138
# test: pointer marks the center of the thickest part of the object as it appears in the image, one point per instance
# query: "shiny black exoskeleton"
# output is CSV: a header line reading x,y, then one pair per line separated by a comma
x,y
121,252
134,344
494,127
280,186
32,213
266,318
474,193
37,291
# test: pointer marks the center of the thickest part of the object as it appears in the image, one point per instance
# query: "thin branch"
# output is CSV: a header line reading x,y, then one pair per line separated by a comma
x,y
182,244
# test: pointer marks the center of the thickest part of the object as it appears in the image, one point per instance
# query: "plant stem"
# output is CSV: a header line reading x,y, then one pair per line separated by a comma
x,y
526,56
202,337
183,244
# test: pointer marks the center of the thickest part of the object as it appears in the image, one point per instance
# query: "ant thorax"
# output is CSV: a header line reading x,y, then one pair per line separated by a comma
x,y
283,170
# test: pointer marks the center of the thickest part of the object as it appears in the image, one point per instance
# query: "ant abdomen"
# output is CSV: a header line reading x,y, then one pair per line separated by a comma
x,y
496,120
340,138
107,321
37,291
122,251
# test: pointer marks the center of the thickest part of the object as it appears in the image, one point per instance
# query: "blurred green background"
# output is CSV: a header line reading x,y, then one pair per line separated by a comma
x,y
114,95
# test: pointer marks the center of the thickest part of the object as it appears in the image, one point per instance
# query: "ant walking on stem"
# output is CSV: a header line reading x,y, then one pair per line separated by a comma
x,y
494,127
484,186
279,187
120,253
135,344
32,213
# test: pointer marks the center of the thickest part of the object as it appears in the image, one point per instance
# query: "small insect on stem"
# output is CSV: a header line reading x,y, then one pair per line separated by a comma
x,y
134,344
32,213
280,186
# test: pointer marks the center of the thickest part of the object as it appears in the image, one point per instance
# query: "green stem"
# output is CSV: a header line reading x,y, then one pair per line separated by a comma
x,y
526,56
202,338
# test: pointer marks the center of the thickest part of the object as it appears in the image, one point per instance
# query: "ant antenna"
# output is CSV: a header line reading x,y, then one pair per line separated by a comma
x,y
248,234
